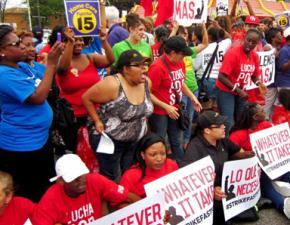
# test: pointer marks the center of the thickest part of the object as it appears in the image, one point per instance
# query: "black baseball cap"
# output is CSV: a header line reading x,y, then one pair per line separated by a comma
x,y
178,44
209,118
130,57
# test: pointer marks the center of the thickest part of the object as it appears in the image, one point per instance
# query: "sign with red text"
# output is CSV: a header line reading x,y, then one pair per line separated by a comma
x,y
272,148
222,7
149,210
187,12
188,193
267,66
241,184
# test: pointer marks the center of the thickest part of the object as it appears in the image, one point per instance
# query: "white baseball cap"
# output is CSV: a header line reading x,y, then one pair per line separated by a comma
x,y
286,32
69,167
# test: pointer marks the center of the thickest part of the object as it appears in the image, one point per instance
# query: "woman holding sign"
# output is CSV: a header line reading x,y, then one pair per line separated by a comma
x,y
150,164
77,72
239,68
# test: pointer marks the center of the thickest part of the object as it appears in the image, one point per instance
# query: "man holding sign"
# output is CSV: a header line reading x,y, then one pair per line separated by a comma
x,y
211,141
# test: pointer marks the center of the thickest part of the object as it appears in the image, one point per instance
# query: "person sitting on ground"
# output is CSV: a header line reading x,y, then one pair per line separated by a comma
x,y
150,164
253,119
281,112
77,196
210,140
13,210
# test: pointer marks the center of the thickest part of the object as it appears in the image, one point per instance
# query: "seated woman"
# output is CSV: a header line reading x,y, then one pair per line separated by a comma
x,y
253,120
281,113
13,210
150,164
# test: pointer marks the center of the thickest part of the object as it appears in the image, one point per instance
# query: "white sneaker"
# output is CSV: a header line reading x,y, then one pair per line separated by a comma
x,y
282,187
287,207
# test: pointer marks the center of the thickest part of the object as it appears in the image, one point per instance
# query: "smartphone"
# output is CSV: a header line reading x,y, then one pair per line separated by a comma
x,y
58,38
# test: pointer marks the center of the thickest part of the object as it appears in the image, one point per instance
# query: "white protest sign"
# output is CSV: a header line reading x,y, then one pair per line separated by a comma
x,y
267,65
272,148
222,7
146,211
188,193
241,184
207,54
187,12
106,145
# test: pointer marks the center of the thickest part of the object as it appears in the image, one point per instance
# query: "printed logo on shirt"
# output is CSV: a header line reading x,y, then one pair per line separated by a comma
x,y
177,82
82,216
120,189
246,73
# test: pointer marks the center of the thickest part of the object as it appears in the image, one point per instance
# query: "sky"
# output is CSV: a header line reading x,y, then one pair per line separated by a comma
x,y
14,3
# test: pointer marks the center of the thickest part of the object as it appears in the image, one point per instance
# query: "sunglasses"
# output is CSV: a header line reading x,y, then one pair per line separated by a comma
x,y
13,44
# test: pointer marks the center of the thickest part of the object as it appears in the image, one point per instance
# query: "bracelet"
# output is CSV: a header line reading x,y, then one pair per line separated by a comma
x,y
258,82
235,87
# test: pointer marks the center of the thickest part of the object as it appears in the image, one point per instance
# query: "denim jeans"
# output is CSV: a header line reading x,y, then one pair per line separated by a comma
x,y
231,106
162,125
268,191
190,110
111,165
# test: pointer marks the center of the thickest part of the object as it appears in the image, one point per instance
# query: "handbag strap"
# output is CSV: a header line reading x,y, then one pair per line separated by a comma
x,y
128,43
206,73
170,74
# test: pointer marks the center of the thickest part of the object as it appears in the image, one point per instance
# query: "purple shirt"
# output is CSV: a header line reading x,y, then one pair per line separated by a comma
x,y
117,34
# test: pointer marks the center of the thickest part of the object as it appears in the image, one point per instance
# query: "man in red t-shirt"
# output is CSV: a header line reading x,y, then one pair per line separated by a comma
x,y
165,86
77,196
240,66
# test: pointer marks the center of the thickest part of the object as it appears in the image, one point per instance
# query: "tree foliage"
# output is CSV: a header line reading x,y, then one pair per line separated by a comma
x,y
47,8
2,10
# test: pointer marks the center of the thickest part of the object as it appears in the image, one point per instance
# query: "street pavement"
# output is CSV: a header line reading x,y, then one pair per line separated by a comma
x,y
269,217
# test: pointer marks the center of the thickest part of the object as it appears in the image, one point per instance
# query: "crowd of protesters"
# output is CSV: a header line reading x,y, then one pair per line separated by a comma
x,y
128,82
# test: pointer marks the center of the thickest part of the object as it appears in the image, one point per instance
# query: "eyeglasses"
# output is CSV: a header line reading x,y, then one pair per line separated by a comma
x,y
138,65
216,126
13,44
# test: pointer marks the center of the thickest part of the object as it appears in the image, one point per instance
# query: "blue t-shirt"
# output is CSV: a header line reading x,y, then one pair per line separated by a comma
x,y
23,126
283,78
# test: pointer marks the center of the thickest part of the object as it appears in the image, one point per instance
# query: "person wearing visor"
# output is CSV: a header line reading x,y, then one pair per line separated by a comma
x,y
210,140
125,105
165,85
76,197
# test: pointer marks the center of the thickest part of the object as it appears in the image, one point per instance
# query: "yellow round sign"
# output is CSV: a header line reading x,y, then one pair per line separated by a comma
x,y
84,21
282,21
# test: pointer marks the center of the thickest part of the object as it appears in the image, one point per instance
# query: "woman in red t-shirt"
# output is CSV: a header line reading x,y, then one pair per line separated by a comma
x,y
13,210
150,164
281,113
77,72
240,66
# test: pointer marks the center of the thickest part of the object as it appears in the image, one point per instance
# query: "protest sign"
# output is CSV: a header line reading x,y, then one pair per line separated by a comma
x,y
146,211
272,148
222,7
267,66
187,12
188,193
282,19
83,16
241,184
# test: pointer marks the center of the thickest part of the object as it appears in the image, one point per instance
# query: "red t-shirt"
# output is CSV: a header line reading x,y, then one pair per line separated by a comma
x,y
280,115
17,212
155,50
162,85
131,179
73,84
242,137
45,49
56,207
238,67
